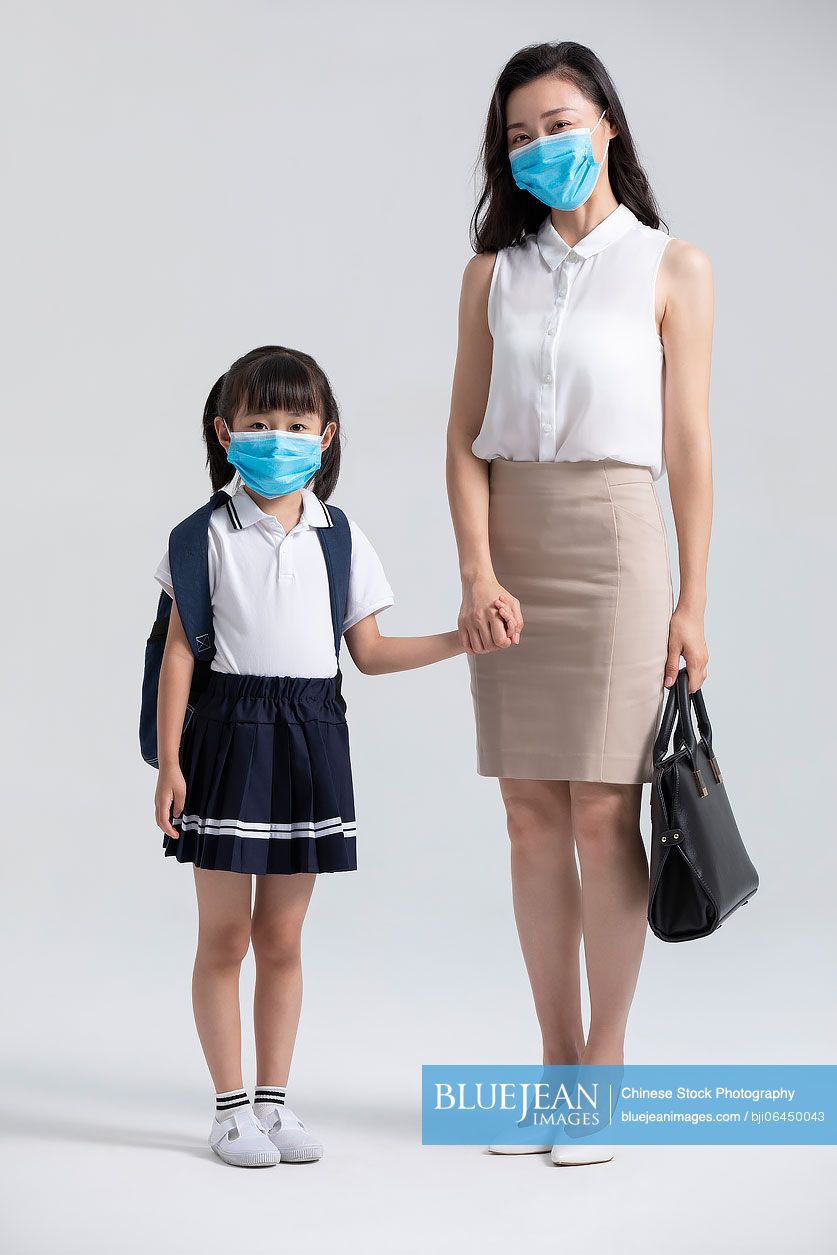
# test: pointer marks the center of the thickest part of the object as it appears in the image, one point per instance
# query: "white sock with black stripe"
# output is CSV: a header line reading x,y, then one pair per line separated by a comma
x,y
268,1096
231,1100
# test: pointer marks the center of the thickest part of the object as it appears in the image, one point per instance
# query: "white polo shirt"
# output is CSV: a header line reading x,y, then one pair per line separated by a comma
x,y
270,602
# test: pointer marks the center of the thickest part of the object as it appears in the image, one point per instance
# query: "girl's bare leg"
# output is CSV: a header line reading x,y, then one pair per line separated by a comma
x,y
614,877
278,915
223,940
547,905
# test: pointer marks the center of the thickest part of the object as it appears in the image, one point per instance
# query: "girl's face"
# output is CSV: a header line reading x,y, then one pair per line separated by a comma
x,y
277,420
549,106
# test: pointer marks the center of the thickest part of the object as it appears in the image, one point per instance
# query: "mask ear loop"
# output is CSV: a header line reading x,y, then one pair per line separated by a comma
x,y
607,141
236,481
601,115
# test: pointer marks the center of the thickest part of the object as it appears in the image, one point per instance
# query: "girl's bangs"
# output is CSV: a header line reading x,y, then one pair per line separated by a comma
x,y
280,382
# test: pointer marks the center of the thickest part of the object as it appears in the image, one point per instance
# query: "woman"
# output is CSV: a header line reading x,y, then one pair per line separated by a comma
x,y
582,372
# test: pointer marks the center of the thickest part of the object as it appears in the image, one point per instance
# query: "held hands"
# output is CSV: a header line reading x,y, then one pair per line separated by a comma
x,y
490,618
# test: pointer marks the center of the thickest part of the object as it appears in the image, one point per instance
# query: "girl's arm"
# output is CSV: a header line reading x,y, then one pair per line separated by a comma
x,y
686,331
374,654
176,672
479,627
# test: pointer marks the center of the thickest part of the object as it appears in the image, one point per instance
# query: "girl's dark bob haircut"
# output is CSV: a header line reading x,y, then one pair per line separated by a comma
x,y
272,378
504,213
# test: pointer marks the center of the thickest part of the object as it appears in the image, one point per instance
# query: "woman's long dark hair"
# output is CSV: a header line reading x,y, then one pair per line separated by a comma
x,y
265,379
504,212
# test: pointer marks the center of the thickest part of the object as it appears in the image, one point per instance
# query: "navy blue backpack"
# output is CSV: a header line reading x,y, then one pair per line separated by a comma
x,y
189,563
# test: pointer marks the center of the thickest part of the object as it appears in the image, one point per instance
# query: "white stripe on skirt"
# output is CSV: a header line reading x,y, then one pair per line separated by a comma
x,y
240,828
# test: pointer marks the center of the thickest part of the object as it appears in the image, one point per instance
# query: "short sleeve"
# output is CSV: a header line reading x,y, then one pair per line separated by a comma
x,y
163,574
369,589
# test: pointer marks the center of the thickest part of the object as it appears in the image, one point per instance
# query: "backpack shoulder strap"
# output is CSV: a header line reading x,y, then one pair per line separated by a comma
x,y
189,564
336,542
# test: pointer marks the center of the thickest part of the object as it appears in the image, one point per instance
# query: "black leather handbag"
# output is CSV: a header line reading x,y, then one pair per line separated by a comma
x,y
700,871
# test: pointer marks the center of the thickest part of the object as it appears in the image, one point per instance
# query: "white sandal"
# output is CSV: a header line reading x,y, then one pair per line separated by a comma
x,y
241,1139
290,1136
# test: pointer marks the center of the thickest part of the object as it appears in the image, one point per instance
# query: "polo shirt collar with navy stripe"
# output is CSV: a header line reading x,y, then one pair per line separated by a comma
x,y
243,511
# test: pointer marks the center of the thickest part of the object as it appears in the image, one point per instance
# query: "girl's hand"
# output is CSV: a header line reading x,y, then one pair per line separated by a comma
x,y
507,614
171,789
480,626
685,636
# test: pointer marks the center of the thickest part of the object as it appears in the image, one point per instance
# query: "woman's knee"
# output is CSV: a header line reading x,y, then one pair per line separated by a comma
x,y
603,815
537,816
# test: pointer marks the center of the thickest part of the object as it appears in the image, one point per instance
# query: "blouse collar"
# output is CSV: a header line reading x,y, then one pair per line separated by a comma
x,y
554,249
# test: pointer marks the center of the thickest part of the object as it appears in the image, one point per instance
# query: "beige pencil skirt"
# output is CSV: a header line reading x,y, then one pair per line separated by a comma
x,y
583,547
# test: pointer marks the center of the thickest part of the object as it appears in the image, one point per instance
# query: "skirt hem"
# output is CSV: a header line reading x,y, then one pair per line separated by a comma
x,y
612,770
254,857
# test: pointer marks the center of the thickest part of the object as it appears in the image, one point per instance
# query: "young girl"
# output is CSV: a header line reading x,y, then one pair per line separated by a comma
x,y
260,783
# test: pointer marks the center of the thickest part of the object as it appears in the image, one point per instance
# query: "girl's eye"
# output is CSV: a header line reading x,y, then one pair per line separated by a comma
x,y
298,426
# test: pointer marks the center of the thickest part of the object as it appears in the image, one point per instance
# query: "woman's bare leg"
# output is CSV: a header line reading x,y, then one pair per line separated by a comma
x,y
547,905
614,878
281,903
223,941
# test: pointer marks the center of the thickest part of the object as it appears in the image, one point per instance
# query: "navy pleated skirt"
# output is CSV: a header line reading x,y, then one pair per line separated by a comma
x,y
268,778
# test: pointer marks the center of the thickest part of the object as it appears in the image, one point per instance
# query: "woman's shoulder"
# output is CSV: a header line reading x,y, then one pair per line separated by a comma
x,y
685,270
476,280
677,252
480,267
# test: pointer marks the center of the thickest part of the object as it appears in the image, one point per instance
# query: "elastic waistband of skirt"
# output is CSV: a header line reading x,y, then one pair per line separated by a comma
x,y
232,684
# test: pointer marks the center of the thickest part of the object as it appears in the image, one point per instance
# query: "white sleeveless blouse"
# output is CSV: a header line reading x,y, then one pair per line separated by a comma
x,y
578,366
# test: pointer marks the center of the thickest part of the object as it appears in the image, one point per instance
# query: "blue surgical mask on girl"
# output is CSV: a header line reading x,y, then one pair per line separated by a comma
x,y
274,463
559,170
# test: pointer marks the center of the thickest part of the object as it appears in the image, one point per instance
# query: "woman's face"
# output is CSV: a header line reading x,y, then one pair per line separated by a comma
x,y
549,106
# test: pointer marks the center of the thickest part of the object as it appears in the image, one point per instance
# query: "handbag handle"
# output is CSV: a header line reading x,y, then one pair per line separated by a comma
x,y
678,707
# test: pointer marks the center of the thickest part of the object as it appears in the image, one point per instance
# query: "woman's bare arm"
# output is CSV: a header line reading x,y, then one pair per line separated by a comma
x,y
480,626
686,330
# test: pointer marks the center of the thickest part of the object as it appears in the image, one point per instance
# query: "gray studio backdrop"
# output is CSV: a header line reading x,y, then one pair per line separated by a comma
x,y
184,182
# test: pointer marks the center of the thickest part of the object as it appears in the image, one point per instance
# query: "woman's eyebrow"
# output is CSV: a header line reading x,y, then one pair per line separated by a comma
x,y
548,114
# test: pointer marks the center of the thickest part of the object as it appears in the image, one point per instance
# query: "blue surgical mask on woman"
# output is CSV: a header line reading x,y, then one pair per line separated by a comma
x,y
274,463
558,170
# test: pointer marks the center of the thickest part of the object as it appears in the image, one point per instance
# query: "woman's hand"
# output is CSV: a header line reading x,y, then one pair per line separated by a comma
x,y
171,788
686,638
490,617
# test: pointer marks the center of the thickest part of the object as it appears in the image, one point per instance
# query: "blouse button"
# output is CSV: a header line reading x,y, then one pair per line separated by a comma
x,y
547,379
550,331
546,426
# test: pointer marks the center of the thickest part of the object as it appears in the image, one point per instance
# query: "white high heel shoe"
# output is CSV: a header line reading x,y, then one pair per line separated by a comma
x,y
571,1156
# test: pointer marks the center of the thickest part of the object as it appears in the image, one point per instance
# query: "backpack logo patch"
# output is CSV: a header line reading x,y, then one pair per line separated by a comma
x,y
202,641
